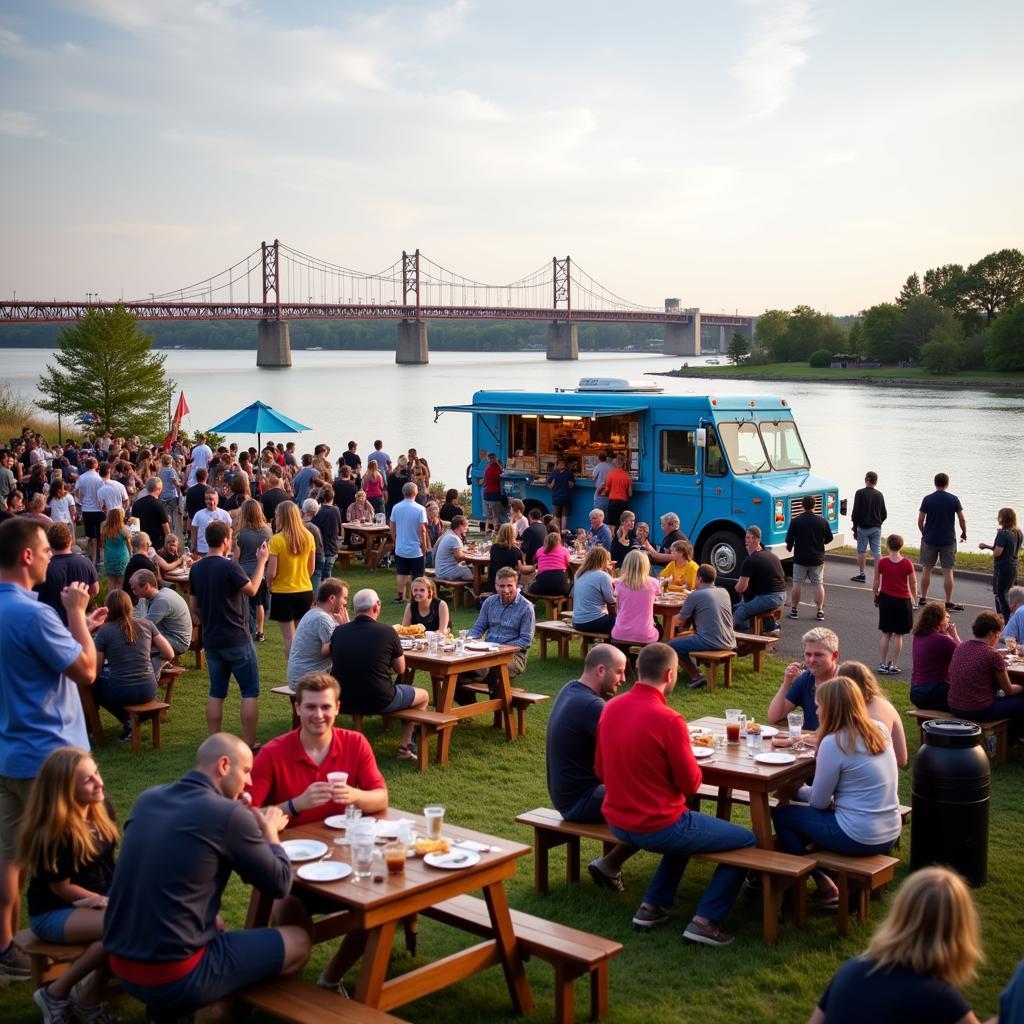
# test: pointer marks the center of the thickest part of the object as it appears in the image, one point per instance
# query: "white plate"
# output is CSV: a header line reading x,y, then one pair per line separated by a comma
x,y
703,753
324,871
768,731
337,821
304,849
452,861
774,758
478,645
389,829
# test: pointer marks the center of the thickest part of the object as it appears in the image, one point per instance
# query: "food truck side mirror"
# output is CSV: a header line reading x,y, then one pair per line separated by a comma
x,y
701,437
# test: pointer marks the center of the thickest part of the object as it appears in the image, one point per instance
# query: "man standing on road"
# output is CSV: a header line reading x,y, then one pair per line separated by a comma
x,y
761,586
821,660
935,520
409,537
708,610
866,519
808,533
648,768
575,790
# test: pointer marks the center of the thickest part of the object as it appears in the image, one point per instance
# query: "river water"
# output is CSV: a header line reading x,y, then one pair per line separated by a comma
x,y
905,434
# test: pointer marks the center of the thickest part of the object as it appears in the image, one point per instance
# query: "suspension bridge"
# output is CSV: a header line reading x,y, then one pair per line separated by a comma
x,y
275,284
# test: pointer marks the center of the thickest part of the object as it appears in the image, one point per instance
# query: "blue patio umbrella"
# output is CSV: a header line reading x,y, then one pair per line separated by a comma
x,y
259,419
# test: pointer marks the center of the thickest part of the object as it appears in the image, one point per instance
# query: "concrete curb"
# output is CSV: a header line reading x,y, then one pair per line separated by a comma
x,y
970,574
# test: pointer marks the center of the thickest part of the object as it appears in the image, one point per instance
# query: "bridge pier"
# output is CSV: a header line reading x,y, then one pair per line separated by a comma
x,y
562,340
412,343
683,339
274,346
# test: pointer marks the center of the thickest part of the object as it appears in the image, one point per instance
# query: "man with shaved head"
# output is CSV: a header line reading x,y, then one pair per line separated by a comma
x,y
162,929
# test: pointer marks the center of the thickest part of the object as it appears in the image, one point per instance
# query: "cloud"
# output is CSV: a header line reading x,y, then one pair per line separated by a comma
x,y
767,65
446,21
20,125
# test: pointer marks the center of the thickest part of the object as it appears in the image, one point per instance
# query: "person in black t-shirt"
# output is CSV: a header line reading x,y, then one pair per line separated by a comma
x,y
533,536
869,512
150,512
451,506
808,534
195,496
761,585
928,946
140,560
345,490
67,565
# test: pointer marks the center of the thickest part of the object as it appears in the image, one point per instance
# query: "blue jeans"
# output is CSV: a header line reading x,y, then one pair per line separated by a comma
x,y
222,662
747,609
693,833
112,696
684,644
588,807
869,537
798,825
328,569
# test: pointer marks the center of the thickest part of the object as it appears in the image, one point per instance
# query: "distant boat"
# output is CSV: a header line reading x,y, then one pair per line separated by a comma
x,y
712,362
315,348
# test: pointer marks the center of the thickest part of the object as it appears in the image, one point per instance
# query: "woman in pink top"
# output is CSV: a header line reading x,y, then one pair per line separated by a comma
x,y
373,485
552,561
635,593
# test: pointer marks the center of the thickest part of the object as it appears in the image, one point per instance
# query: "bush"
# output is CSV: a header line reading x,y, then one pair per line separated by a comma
x,y
821,358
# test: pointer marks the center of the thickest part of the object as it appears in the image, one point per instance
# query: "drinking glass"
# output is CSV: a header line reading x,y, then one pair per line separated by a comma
x,y
432,642
796,725
362,857
732,724
435,820
755,743
394,858
338,781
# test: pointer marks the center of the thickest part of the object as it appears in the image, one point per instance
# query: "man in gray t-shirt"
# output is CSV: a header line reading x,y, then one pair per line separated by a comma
x,y
448,554
166,609
311,647
708,609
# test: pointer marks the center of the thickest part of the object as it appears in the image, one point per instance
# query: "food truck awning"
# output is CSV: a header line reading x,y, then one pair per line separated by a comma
x,y
539,410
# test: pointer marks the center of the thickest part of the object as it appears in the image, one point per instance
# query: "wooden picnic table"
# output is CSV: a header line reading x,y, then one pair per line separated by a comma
x,y
731,768
178,578
375,536
666,608
378,907
444,668
478,561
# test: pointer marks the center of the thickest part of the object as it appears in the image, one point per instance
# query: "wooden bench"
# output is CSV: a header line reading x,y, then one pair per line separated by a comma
x,y
713,659
560,632
459,589
152,711
754,644
777,871
343,560
287,691
556,603
998,727
428,724
48,960
168,677
292,999
761,619
573,953
522,701
864,875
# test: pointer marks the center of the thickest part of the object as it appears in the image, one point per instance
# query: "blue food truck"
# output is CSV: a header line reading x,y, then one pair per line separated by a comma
x,y
721,463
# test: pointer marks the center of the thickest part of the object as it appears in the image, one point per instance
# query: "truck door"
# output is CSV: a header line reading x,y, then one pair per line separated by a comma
x,y
677,475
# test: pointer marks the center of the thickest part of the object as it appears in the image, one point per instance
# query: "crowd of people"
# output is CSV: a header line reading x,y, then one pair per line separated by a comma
x,y
263,530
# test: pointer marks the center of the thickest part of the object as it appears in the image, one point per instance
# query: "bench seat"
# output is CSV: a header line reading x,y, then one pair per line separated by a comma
x,y
428,724
460,590
151,711
754,644
522,701
302,1002
48,960
556,603
864,875
998,727
713,659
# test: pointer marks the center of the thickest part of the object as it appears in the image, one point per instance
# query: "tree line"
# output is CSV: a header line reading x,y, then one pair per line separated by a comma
x,y
951,318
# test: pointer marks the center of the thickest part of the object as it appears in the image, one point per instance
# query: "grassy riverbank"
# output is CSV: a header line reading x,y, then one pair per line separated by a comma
x,y
911,377
488,781
975,561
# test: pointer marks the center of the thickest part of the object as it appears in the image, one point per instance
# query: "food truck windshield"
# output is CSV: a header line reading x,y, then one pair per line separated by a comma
x,y
536,442
759,447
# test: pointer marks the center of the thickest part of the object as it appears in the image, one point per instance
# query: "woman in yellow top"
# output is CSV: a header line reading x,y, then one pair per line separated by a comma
x,y
289,567
681,572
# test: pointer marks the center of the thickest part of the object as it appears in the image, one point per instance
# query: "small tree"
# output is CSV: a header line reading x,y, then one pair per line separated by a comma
x,y
944,352
820,359
106,366
1005,349
739,348
910,289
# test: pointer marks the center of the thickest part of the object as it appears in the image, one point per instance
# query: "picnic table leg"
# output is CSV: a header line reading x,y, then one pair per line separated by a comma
x,y
506,699
444,697
258,914
599,992
375,963
769,910
508,949
565,994
92,715
761,820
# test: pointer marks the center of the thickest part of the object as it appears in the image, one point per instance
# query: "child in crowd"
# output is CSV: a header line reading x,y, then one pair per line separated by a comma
x,y
681,572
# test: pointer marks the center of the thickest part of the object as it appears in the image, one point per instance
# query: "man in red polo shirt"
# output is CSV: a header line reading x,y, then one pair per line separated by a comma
x,y
291,771
618,488
647,765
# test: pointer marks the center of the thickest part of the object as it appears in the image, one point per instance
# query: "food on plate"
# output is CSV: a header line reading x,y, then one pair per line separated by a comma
x,y
781,741
753,728
417,630
703,740
425,846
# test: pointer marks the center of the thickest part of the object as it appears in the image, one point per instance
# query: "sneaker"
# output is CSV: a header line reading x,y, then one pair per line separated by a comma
x,y
602,879
793,613
952,606
125,734
922,601
708,934
260,637
407,753
55,1011
696,684
649,917
883,669
14,965
859,578
819,615
333,986
894,670
97,1014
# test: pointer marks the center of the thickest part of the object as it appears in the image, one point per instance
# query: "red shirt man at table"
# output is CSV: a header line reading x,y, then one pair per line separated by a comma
x,y
647,765
291,771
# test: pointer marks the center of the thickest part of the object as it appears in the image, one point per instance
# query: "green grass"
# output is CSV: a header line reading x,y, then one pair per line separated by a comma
x,y
976,561
489,781
801,371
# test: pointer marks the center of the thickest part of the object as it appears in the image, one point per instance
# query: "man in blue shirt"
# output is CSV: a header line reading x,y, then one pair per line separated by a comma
x,y
561,480
573,785
599,531
302,479
1015,624
505,618
381,457
936,521
821,658
39,705
409,536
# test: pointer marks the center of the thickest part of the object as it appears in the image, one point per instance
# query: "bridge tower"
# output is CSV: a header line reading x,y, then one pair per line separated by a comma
x,y
562,340
683,339
274,346
412,334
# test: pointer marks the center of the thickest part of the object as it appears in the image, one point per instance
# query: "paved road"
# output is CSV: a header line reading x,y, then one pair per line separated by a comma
x,y
850,611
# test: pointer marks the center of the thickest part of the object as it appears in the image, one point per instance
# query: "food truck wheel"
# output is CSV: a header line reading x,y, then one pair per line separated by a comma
x,y
725,551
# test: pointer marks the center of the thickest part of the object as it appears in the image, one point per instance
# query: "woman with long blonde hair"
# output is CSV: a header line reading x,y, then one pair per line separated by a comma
x,y
289,571
117,548
635,593
854,806
879,706
66,847
593,599
252,532
928,946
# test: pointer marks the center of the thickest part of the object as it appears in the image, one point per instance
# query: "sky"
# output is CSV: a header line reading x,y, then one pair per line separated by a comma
x,y
737,154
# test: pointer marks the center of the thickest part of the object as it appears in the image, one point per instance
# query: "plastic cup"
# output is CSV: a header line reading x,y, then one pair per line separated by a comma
x,y
435,820
732,724
338,781
394,858
795,719
755,743
362,857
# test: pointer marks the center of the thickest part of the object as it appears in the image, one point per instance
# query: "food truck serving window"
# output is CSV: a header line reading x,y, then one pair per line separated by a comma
x,y
538,440
678,452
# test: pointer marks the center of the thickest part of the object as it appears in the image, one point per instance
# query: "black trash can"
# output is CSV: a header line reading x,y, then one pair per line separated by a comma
x,y
949,806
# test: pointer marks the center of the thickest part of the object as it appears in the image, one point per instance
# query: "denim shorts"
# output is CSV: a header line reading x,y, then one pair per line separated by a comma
x,y
223,662
588,807
403,698
810,573
869,536
49,926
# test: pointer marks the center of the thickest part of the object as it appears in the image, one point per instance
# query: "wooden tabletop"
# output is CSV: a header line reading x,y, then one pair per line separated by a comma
x,y
463,661
368,527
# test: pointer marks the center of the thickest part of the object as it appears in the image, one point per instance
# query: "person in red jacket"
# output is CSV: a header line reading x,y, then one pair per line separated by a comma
x,y
646,763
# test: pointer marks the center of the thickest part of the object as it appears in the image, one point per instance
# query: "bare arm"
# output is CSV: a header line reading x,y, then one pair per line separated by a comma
x,y
83,669
398,665
162,646
920,521
741,584
443,616
780,706
963,525
262,557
